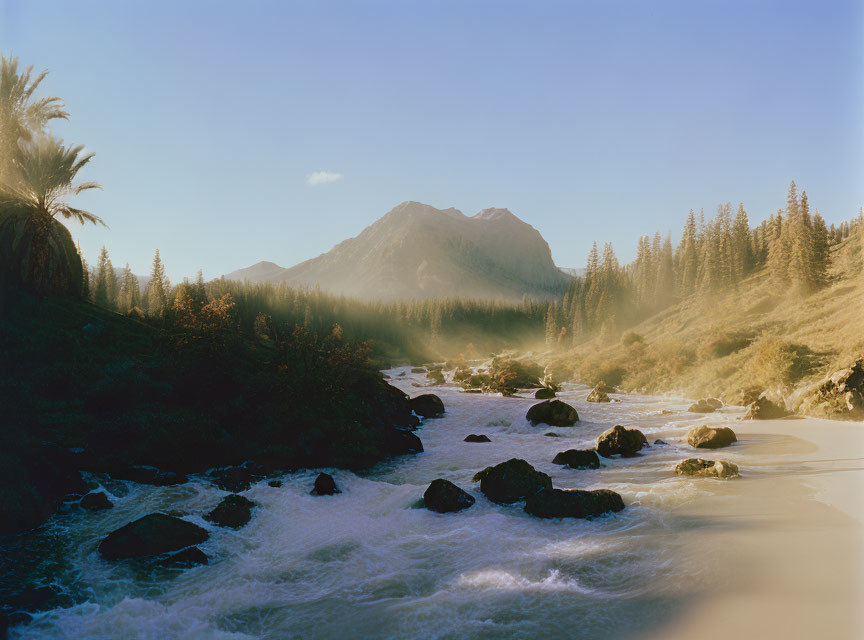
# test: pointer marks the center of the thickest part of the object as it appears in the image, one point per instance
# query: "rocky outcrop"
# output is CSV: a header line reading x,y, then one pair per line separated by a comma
x,y
511,481
620,441
765,409
445,497
188,557
402,442
840,395
428,406
599,393
96,501
544,393
234,511
706,437
325,485
151,535
552,412
705,405
237,479
707,468
561,503
477,438
578,459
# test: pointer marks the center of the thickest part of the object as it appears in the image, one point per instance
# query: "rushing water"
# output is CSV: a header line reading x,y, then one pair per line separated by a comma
x,y
368,563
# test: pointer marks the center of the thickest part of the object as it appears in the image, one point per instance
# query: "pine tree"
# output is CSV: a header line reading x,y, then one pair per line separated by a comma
x,y
687,257
778,251
157,288
742,250
821,252
130,291
101,292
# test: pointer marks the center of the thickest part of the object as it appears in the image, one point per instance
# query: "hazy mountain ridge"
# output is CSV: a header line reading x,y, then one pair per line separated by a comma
x,y
418,251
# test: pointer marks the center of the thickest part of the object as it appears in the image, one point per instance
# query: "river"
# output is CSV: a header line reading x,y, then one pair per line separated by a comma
x,y
774,553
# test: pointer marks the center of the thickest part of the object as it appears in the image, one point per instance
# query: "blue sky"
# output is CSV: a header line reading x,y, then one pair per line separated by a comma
x,y
590,120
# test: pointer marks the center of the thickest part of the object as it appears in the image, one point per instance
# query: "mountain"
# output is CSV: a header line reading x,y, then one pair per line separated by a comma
x,y
418,251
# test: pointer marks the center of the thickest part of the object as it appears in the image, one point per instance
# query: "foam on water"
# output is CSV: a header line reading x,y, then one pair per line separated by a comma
x,y
368,563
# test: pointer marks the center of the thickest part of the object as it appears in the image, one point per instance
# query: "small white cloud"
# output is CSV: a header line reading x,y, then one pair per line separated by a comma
x,y
322,177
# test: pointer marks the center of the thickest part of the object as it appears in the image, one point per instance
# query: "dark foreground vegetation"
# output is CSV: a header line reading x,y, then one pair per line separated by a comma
x,y
97,391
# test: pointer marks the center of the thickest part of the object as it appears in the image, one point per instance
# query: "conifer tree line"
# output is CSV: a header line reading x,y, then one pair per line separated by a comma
x,y
713,256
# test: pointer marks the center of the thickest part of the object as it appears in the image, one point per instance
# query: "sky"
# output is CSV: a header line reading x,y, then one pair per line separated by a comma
x,y
227,133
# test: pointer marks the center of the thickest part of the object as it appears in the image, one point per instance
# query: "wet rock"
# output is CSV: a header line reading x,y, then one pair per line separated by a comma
x,y
401,442
477,438
188,557
151,535
36,598
234,511
233,479
275,483
551,434
139,474
599,393
765,409
839,395
96,501
445,497
512,480
578,459
428,405
706,437
552,412
707,468
660,442
618,440
544,394
325,485
481,474
574,503
705,405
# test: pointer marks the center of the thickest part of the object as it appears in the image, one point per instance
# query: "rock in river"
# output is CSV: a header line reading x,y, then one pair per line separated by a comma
x,y
705,405
578,459
325,485
600,393
151,535
764,409
706,437
428,405
477,438
445,497
511,481
626,442
707,468
96,501
552,412
234,511
560,503
544,393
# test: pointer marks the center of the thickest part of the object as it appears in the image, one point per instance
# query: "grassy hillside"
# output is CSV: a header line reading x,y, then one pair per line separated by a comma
x,y
737,344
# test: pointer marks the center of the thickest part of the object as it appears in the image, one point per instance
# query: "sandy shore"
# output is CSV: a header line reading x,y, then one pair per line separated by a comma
x,y
785,541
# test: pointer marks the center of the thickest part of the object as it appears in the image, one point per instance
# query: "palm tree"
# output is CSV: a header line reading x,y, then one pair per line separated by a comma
x,y
36,193
20,114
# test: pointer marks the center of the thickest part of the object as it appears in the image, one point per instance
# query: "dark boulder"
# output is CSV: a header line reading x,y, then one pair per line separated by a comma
x,y
552,412
96,501
275,483
234,511
188,557
481,474
325,485
764,409
551,434
401,442
705,405
236,479
445,497
428,405
169,478
706,437
544,393
660,442
619,440
560,503
578,459
477,438
512,480
151,535
33,598
599,393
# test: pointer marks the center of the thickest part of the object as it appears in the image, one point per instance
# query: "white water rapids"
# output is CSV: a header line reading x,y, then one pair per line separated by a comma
x,y
368,563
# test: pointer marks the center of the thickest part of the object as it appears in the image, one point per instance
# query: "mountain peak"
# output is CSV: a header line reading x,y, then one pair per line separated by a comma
x,y
494,213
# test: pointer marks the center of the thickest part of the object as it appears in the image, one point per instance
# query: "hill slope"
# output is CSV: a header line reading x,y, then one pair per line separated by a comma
x,y
418,251
740,343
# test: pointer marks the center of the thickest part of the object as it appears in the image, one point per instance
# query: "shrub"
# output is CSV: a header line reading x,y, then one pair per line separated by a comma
x,y
630,338
726,344
774,361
